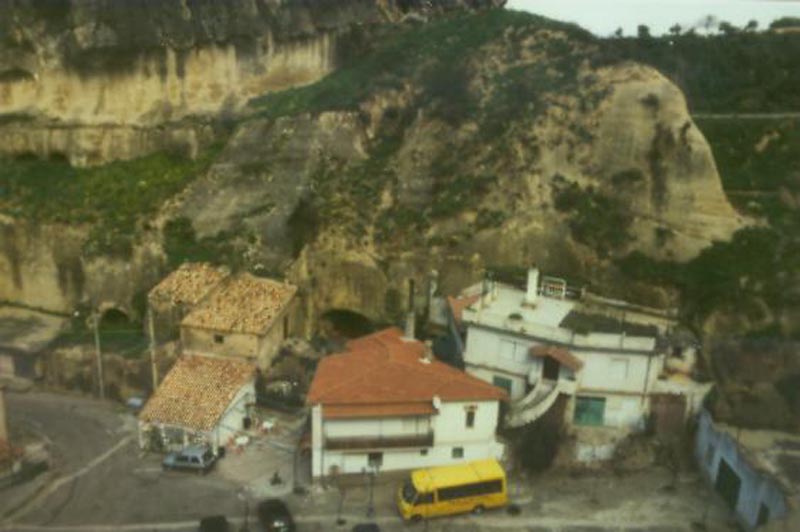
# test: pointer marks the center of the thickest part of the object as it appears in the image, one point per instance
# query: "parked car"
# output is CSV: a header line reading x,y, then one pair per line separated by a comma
x,y
366,527
214,523
274,516
196,458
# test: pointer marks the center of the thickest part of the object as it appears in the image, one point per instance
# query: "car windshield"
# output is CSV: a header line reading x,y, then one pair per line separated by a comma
x,y
409,492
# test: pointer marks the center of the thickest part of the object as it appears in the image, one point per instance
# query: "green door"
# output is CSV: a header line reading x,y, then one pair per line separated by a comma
x,y
590,411
502,382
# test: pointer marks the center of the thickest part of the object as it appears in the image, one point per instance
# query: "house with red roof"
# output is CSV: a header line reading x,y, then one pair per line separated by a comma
x,y
386,404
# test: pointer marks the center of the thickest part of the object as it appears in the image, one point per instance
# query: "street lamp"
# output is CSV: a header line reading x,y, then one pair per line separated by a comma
x,y
371,505
242,495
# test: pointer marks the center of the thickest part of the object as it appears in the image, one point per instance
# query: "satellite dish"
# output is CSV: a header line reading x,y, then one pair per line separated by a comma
x,y
437,402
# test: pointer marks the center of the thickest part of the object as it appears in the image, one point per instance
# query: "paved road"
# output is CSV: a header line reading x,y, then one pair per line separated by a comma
x,y
102,484
100,478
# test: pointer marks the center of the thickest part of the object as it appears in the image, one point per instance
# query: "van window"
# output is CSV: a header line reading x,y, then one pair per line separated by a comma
x,y
471,490
195,460
424,498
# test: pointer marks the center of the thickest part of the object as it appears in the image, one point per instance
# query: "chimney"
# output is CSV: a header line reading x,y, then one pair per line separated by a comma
x,y
532,293
410,317
486,289
3,425
427,354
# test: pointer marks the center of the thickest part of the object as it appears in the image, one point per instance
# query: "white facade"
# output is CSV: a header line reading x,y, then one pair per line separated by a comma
x,y
348,446
174,437
618,371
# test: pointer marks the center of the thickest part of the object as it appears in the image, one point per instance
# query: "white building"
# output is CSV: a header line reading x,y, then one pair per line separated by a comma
x,y
201,400
385,404
607,357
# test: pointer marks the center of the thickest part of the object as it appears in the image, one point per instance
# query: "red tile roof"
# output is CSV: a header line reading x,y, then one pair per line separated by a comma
x,y
197,391
558,353
458,304
385,371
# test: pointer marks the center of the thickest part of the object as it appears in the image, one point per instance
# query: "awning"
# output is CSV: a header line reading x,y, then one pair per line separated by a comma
x,y
564,357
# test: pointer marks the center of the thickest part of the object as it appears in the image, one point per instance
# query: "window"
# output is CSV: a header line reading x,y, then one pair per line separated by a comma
x,y
502,382
470,490
424,498
375,459
458,452
590,411
470,418
219,339
423,452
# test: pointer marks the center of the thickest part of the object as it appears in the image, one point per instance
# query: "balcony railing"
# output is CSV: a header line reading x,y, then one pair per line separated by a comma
x,y
380,442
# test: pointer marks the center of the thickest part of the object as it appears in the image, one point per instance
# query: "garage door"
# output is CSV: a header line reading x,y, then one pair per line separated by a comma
x,y
728,484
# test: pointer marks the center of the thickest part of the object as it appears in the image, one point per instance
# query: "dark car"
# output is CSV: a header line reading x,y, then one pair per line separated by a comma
x,y
214,523
366,527
274,516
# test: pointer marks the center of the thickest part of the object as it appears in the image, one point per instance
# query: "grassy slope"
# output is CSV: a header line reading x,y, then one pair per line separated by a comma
x,y
744,72
761,179
741,73
410,53
112,198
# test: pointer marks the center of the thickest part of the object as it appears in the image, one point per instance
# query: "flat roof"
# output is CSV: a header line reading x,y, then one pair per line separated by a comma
x,y
506,310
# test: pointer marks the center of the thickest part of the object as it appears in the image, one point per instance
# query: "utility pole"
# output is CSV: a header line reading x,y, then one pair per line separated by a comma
x,y
152,334
98,353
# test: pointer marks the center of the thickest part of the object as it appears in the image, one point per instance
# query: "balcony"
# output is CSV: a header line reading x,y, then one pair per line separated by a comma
x,y
379,442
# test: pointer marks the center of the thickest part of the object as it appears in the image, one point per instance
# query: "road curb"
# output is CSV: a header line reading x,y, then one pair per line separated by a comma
x,y
45,480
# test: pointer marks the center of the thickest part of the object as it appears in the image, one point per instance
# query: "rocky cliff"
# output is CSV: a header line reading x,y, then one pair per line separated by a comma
x,y
490,139
97,81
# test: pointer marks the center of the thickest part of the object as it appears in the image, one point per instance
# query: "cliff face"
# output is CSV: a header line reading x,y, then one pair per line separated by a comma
x,y
95,81
475,141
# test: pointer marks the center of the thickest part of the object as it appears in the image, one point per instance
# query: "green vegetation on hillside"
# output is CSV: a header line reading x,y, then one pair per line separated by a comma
x,y
759,163
738,72
760,170
430,55
111,198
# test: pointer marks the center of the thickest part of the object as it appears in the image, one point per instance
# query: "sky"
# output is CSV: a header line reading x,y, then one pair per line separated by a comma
x,y
603,17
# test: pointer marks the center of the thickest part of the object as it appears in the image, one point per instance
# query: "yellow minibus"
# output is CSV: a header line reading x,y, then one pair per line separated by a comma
x,y
468,487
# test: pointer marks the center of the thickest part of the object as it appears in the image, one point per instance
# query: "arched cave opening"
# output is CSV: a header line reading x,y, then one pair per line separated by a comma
x,y
120,334
345,324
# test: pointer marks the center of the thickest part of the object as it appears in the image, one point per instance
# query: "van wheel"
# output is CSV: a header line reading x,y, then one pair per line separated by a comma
x,y
416,518
478,510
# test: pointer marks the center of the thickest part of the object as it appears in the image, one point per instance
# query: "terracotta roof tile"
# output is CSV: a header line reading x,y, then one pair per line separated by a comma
x,y
243,303
558,353
384,368
190,283
458,304
197,391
